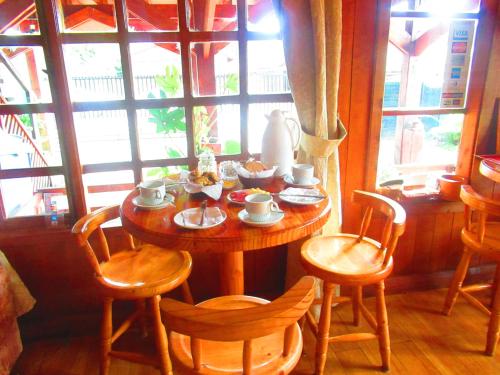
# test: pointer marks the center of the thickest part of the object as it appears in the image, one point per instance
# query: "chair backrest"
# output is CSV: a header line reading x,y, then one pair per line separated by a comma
x,y
242,324
477,210
90,224
395,220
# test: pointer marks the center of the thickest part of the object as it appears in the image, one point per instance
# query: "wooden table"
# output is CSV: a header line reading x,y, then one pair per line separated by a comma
x,y
230,239
490,169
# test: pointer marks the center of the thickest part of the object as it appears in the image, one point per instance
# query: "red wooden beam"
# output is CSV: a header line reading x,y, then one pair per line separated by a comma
x,y
12,12
429,37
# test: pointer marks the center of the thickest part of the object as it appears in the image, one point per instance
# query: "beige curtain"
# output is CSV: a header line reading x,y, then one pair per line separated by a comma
x,y
312,32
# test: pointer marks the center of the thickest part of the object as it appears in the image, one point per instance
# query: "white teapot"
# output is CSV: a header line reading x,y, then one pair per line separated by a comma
x,y
278,143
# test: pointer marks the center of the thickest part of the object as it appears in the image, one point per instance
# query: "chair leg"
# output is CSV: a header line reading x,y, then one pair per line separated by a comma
x,y
106,335
496,284
324,328
141,307
357,297
494,324
186,293
160,337
383,327
456,282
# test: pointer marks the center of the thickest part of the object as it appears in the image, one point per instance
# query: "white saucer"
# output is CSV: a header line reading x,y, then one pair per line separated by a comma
x,y
287,195
274,218
137,201
179,220
289,181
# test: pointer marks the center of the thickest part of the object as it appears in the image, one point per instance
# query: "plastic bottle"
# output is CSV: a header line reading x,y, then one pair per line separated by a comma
x,y
54,219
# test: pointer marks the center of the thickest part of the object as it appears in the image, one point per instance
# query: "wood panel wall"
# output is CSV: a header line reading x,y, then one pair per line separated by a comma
x,y
58,276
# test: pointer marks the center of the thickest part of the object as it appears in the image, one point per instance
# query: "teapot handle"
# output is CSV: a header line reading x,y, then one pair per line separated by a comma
x,y
299,131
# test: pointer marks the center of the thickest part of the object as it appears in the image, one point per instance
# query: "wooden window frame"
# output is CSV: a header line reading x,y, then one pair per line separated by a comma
x,y
52,38
477,79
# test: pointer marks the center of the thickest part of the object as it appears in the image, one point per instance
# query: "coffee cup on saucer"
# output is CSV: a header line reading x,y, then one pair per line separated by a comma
x,y
152,192
259,207
302,173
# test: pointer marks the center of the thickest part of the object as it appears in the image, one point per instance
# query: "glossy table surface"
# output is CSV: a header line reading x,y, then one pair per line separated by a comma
x,y
230,238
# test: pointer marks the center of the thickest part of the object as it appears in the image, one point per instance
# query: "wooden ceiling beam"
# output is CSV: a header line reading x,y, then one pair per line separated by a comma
x,y
13,12
429,37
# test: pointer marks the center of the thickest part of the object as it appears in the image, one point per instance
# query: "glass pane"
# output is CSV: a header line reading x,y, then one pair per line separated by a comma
x,y
29,196
18,17
266,67
428,62
102,136
442,7
162,133
212,15
157,70
217,128
107,188
152,15
156,173
94,71
257,121
29,141
23,77
215,68
418,144
88,16
262,17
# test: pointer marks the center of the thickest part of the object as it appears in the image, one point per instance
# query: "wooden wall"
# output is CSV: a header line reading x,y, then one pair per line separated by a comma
x,y
58,276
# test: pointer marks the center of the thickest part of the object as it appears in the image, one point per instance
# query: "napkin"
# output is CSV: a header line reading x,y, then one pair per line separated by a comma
x,y
213,191
213,215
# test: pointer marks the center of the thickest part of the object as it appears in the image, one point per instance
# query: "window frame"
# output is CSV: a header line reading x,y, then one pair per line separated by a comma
x,y
52,38
477,79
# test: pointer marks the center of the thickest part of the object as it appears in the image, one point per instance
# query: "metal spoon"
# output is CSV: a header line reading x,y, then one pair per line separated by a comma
x,y
203,209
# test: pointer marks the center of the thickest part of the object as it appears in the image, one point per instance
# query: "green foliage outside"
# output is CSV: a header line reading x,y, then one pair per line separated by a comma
x,y
172,121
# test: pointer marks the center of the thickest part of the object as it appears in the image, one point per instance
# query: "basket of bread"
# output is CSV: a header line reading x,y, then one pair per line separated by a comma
x,y
204,182
255,174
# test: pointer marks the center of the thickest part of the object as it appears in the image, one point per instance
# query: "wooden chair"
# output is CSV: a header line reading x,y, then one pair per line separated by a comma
x,y
141,273
355,260
481,237
238,334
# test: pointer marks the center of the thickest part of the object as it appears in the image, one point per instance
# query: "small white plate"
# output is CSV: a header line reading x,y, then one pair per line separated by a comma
x,y
179,219
274,218
137,201
232,200
289,181
299,200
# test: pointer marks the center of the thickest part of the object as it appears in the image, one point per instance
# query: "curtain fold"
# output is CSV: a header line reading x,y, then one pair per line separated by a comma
x,y
312,33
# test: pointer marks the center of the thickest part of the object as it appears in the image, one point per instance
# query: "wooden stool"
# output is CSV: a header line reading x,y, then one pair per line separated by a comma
x,y
142,274
355,260
480,237
238,334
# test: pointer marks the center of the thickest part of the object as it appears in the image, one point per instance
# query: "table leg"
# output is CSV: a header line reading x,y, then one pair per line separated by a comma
x,y
231,273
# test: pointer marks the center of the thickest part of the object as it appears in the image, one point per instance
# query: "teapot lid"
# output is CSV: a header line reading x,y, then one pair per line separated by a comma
x,y
276,115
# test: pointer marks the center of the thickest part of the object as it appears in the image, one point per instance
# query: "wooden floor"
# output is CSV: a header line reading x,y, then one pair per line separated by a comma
x,y
423,342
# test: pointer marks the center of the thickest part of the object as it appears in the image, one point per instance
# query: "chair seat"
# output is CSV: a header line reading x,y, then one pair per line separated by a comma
x,y
144,271
226,357
342,259
490,247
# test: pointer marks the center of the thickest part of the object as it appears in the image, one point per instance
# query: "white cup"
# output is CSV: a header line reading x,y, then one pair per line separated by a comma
x,y
259,206
152,192
302,173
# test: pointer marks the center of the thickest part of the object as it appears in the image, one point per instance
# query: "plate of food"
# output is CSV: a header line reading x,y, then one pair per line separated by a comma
x,y
238,196
204,182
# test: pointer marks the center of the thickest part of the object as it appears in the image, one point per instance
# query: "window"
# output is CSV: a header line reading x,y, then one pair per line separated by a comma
x,y
427,71
149,85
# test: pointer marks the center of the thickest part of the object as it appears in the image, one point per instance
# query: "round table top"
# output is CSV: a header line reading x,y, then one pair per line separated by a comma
x,y
490,169
158,227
